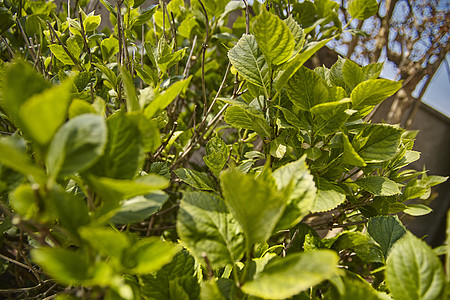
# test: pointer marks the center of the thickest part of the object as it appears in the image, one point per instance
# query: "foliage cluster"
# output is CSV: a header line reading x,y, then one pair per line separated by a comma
x,y
120,180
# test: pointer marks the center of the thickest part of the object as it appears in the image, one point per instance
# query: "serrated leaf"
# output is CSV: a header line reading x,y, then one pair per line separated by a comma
x,y
385,230
60,54
414,271
297,33
274,38
207,228
417,210
77,145
378,185
302,195
175,278
248,59
362,9
216,155
306,89
244,117
255,204
196,179
352,73
124,153
286,277
373,92
139,208
329,196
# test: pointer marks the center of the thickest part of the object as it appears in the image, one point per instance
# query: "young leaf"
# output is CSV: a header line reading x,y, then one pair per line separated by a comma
x,y
417,210
385,230
378,185
248,59
123,155
91,22
59,52
206,228
286,277
196,179
297,33
274,38
413,270
76,145
255,204
109,47
362,9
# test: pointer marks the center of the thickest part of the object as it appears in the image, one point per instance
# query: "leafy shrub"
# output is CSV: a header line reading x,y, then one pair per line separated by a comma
x,y
121,181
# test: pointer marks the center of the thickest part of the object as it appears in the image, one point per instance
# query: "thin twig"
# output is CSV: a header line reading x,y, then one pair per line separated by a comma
x,y
21,265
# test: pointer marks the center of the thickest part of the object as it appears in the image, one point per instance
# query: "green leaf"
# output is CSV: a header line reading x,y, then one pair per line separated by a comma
x,y
124,154
149,255
59,52
6,19
66,266
329,117
206,228
216,155
248,59
362,9
20,82
109,47
329,195
255,204
274,38
196,179
350,156
352,288
361,244
306,89
378,142
417,210
210,290
118,189
385,230
77,145
130,91
164,99
296,176
214,8
149,133
139,208
373,92
15,158
378,185
286,277
91,23
414,271
352,73
23,201
44,113
145,16
297,33
297,62
176,280
244,117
